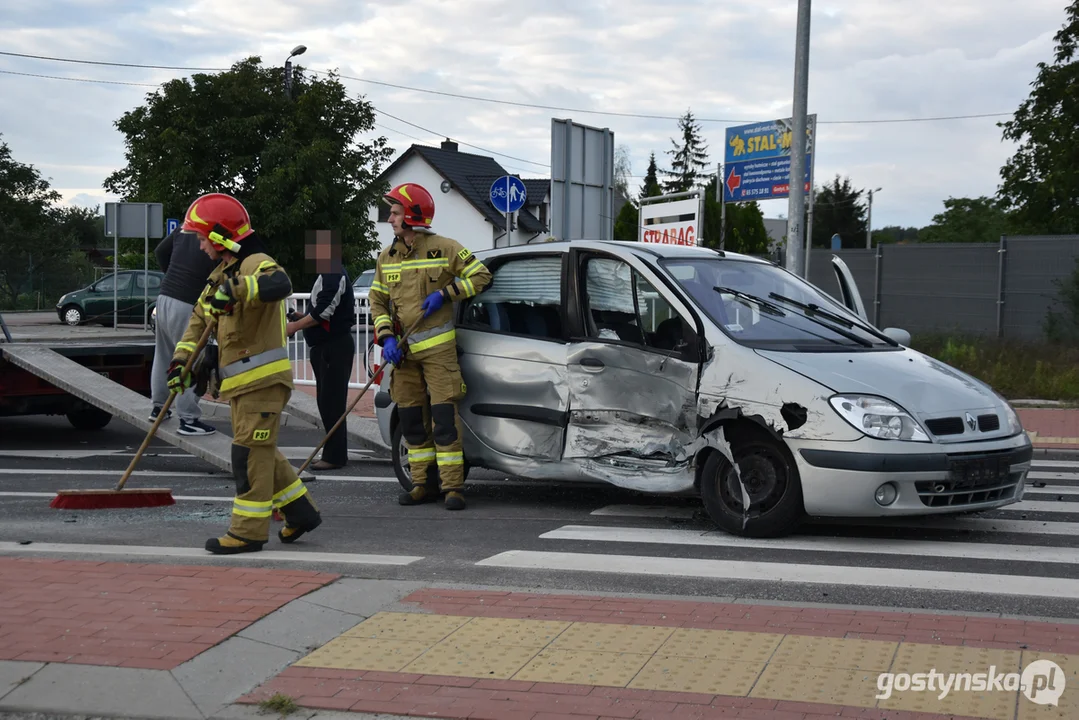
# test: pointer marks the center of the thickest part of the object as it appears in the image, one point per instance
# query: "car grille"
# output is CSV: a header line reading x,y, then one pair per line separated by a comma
x,y
972,479
955,426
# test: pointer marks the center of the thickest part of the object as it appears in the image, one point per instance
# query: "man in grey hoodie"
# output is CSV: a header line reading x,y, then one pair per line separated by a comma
x,y
186,270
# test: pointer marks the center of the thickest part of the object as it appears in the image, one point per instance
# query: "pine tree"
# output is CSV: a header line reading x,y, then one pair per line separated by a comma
x,y
651,187
1041,181
689,157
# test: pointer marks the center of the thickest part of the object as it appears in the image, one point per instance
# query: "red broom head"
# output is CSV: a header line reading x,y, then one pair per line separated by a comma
x,y
112,499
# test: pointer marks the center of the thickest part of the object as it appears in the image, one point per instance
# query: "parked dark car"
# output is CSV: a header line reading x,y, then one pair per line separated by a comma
x,y
94,303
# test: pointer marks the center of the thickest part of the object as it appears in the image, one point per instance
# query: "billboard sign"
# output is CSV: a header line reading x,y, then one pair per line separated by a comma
x,y
582,181
674,219
757,160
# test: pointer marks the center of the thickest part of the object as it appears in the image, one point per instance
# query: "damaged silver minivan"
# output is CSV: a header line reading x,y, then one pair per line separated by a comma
x,y
671,369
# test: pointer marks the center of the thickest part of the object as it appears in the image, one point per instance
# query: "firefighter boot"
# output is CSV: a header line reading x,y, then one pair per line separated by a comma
x,y
421,492
455,500
229,544
301,516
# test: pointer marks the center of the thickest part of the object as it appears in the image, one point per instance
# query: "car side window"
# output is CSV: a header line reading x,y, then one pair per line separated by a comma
x,y
107,283
620,304
524,298
154,282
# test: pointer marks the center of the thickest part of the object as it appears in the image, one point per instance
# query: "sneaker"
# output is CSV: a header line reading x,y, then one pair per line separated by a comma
x,y
157,411
196,427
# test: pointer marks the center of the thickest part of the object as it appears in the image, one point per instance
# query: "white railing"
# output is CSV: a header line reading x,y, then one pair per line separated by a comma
x,y
367,353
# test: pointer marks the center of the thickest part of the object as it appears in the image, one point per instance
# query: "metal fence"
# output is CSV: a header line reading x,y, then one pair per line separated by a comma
x,y
367,353
1004,289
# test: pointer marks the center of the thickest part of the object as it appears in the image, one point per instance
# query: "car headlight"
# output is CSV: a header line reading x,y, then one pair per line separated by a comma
x,y
878,418
1015,425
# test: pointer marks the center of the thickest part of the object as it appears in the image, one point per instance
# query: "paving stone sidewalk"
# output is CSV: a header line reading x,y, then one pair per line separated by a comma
x,y
114,639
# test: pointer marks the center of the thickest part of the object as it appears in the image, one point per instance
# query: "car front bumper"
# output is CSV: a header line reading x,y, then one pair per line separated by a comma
x,y
841,479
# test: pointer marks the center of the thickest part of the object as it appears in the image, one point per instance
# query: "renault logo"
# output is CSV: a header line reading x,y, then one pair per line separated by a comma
x,y
971,422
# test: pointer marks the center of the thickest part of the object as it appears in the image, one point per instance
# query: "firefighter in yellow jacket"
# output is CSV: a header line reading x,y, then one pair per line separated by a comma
x,y
246,294
420,275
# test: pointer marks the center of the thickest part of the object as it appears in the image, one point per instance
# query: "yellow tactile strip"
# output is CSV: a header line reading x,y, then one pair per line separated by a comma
x,y
836,671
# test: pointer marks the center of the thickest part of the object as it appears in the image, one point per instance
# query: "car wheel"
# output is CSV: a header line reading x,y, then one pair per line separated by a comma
x,y
399,455
88,418
770,478
73,315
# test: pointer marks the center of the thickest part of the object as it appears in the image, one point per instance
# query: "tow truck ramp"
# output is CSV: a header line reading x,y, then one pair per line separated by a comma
x,y
134,408
120,401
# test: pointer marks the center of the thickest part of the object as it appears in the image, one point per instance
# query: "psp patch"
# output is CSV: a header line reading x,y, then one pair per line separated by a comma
x,y
465,254
260,435
394,277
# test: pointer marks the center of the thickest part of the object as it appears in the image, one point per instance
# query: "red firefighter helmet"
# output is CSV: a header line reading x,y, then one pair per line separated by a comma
x,y
221,218
418,204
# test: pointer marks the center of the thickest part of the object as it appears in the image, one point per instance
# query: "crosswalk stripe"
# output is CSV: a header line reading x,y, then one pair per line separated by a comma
x,y
812,543
268,553
771,572
1051,476
1049,505
1055,463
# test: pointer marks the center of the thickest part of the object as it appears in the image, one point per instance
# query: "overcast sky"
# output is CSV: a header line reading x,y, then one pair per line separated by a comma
x,y
729,62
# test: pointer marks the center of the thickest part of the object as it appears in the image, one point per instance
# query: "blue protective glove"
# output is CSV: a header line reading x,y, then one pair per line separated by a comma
x,y
391,352
433,302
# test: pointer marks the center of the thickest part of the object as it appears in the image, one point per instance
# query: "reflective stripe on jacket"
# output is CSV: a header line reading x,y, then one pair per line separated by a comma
x,y
405,276
252,344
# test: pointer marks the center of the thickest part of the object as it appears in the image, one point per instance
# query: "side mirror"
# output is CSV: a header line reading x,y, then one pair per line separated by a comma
x,y
900,336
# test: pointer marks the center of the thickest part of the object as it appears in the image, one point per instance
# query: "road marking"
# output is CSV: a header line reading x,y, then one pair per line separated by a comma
x,y
646,511
1002,525
812,543
98,473
61,454
1046,506
1055,463
772,573
1051,476
197,498
265,554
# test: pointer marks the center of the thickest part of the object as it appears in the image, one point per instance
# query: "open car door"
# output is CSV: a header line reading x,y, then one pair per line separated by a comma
x,y
852,299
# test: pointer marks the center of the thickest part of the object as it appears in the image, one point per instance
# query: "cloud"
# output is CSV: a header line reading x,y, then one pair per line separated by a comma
x,y
729,63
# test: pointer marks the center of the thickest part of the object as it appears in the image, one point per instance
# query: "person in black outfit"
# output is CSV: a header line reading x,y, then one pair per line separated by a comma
x,y
327,330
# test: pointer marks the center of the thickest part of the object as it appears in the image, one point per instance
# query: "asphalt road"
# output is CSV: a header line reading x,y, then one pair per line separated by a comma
x,y
558,536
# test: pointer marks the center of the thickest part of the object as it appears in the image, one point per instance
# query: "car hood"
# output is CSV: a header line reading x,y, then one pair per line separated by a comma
x,y
918,383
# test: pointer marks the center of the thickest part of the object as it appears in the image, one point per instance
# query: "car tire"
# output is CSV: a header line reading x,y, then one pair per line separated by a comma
x,y
88,418
399,455
73,315
769,475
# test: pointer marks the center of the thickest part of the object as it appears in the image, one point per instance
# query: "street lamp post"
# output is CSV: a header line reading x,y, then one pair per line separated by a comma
x,y
869,221
298,50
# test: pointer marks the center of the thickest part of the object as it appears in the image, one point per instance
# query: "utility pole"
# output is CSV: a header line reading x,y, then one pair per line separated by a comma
x,y
796,198
869,221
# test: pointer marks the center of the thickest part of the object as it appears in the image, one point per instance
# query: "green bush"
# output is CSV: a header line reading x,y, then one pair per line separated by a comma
x,y
1045,371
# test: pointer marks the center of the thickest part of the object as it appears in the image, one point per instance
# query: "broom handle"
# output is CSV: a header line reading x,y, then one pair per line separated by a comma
x,y
353,404
165,408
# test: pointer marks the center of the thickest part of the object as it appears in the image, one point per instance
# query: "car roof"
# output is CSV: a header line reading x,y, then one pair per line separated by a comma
x,y
640,249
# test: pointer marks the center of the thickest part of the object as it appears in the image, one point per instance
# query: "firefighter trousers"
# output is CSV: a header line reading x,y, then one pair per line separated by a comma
x,y
432,435
265,479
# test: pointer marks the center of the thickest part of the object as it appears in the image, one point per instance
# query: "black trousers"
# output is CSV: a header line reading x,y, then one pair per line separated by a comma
x,y
331,362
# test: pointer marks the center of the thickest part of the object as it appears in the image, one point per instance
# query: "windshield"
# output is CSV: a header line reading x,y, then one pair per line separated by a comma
x,y
364,280
753,305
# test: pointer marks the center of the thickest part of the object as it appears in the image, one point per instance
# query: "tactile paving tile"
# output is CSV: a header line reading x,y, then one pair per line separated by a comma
x,y
822,652
834,686
719,676
408,627
501,631
1067,704
608,637
915,658
474,660
345,653
721,644
608,669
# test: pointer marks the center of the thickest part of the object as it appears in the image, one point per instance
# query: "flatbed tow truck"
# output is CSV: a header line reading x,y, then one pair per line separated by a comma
x,y
92,375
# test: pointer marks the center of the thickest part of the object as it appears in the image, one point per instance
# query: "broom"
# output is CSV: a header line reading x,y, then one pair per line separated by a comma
x,y
120,498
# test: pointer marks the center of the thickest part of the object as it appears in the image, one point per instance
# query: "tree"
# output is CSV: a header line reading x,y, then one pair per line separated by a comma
x,y
33,240
623,169
967,220
744,223
1041,181
836,209
627,223
296,164
689,156
892,234
651,187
